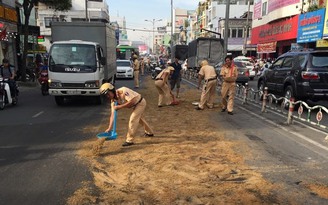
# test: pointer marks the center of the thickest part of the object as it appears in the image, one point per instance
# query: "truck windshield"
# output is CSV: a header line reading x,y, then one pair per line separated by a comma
x,y
72,58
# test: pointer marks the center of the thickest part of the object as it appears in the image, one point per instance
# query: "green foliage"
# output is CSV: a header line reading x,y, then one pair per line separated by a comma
x,y
313,7
58,5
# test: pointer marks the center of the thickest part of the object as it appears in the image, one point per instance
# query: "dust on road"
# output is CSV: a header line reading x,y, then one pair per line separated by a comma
x,y
189,161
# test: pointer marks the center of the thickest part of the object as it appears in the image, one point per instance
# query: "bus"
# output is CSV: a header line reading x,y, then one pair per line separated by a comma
x,y
125,51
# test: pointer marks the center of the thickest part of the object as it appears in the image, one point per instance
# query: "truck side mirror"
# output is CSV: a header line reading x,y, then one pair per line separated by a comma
x,y
103,61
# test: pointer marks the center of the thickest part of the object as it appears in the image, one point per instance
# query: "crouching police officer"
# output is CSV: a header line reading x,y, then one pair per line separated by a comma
x,y
127,98
207,72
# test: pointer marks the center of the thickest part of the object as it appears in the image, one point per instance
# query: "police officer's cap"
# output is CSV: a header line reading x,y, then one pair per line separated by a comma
x,y
105,88
204,62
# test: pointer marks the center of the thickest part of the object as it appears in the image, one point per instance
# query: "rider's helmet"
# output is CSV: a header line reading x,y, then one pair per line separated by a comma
x,y
106,87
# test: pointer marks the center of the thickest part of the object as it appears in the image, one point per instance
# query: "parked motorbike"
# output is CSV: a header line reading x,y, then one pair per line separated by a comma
x,y
5,94
30,76
156,71
43,80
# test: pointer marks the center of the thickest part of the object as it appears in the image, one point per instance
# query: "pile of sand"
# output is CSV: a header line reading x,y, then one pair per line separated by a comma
x,y
187,162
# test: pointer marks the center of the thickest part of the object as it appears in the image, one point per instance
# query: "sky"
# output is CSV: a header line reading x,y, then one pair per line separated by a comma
x,y
137,11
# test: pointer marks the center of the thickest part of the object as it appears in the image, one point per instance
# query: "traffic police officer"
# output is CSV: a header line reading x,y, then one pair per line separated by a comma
x,y
136,67
127,98
207,72
164,91
229,76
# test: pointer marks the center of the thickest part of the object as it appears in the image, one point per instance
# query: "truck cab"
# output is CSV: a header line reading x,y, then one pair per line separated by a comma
x,y
76,68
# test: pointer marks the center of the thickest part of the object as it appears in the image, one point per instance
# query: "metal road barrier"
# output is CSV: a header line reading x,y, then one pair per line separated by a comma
x,y
312,115
306,113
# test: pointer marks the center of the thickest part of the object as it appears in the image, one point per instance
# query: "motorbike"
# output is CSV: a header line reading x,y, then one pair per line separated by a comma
x,y
29,76
5,94
155,71
43,80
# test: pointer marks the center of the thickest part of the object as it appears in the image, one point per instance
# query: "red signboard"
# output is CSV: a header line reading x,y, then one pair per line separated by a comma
x,y
258,9
278,31
267,47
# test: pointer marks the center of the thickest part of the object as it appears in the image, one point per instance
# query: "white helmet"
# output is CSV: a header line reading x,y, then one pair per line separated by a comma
x,y
105,88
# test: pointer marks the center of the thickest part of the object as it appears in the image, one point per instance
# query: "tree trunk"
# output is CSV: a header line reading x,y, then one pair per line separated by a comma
x,y
27,5
25,46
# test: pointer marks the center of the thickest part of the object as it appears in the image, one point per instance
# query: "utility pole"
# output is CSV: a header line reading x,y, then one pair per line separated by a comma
x,y
226,28
246,30
86,10
171,41
153,22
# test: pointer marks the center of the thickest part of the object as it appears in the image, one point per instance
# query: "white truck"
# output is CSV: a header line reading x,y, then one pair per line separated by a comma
x,y
82,57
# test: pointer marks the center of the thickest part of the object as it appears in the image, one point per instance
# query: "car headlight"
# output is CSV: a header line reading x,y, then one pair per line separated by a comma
x,y
54,83
91,84
130,70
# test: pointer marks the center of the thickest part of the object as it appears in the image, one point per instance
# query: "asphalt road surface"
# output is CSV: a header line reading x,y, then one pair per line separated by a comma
x,y
39,140
38,144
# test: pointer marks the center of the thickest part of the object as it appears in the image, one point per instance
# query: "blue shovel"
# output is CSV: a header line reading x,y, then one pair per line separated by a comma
x,y
111,135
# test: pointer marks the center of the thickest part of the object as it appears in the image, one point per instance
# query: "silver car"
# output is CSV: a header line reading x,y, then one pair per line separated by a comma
x,y
124,69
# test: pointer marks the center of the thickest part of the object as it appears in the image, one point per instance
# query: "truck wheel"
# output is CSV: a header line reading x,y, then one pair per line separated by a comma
x,y
59,100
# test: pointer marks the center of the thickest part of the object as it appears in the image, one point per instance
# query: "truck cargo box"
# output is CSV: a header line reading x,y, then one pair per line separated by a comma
x,y
180,52
210,49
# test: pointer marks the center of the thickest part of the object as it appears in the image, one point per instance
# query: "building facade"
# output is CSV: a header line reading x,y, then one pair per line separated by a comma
x,y
82,10
211,16
275,25
8,30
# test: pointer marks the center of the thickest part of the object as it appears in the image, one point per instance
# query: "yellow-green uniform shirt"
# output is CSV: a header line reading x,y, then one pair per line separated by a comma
x,y
207,71
125,94
160,75
229,74
135,65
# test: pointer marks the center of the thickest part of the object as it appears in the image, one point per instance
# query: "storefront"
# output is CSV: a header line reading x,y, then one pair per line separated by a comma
x,y
8,33
310,28
275,38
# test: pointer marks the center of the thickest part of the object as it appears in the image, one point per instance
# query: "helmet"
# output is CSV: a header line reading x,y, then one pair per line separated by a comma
x,y
105,88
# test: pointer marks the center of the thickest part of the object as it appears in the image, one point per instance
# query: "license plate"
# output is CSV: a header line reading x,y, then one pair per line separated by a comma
x,y
71,92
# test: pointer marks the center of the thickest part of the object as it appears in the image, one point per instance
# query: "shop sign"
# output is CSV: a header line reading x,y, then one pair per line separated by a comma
x,y
310,26
8,14
257,9
322,43
279,31
325,28
267,47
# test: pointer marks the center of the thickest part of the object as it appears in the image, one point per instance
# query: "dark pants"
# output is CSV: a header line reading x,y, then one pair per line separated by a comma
x,y
12,86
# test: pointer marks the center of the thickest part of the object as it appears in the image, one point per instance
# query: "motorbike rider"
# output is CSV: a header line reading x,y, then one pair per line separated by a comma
x,y
8,72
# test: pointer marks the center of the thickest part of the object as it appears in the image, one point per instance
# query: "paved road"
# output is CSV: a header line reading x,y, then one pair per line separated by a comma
x,y
295,157
38,145
39,140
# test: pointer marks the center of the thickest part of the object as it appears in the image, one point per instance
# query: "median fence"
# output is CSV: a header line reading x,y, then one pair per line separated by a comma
x,y
293,110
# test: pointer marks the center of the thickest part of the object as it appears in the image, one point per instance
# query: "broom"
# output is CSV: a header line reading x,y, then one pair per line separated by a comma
x,y
102,137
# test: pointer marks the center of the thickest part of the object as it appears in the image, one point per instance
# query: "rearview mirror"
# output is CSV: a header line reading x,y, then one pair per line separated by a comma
x,y
103,61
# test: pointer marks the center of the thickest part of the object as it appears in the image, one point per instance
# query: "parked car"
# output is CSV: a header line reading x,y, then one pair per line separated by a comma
x,y
124,69
243,72
251,68
302,74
